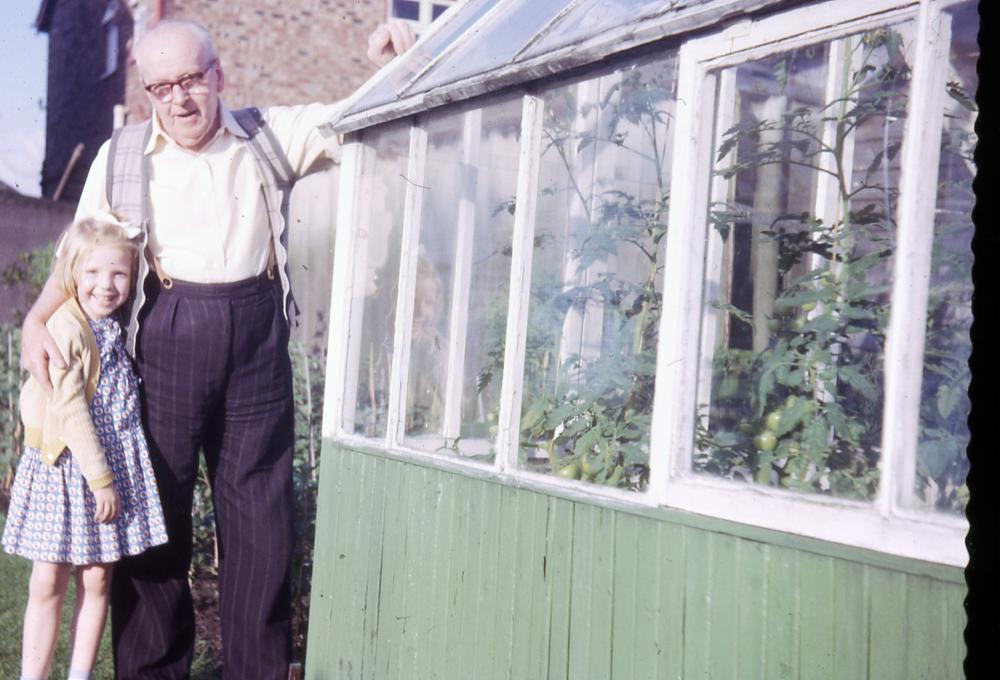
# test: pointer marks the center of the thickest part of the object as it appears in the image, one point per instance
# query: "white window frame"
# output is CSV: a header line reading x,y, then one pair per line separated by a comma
x,y
885,525
426,12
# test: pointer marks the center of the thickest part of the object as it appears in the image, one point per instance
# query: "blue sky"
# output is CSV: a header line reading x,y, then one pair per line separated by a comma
x,y
22,82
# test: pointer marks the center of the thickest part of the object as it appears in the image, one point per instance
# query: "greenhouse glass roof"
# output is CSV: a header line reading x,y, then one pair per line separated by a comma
x,y
481,46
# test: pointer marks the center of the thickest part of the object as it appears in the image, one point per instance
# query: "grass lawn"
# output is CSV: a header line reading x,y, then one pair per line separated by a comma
x,y
14,573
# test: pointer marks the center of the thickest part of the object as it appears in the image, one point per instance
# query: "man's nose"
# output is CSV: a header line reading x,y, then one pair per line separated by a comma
x,y
178,95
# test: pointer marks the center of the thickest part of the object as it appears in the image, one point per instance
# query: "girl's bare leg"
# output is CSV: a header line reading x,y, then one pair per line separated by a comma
x,y
93,585
46,592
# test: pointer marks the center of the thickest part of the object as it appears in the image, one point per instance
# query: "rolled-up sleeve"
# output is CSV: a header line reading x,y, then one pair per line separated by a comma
x,y
297,131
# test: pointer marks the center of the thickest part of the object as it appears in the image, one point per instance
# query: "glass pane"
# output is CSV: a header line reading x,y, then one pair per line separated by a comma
x,y
800,255
418,57
597,275
491,45
406,9
463,273
373,307
592,17
944,435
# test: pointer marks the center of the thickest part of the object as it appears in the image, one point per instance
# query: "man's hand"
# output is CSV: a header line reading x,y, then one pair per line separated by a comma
x,y
388,40
37,350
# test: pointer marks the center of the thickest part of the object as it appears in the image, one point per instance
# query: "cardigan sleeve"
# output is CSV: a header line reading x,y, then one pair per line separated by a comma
x,y
69,405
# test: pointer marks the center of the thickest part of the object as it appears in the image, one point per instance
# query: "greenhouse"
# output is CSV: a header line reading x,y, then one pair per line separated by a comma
x,y
652,353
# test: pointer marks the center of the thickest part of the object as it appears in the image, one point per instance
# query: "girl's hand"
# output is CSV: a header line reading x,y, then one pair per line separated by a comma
x,y
107,503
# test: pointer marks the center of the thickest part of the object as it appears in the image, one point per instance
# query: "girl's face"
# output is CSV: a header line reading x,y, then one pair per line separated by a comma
x,y
103,279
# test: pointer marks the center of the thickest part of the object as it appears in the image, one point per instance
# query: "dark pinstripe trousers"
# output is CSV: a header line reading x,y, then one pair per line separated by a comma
x,y
216,378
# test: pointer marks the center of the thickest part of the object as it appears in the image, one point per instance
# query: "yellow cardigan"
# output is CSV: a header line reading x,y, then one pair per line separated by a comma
x,y
53,424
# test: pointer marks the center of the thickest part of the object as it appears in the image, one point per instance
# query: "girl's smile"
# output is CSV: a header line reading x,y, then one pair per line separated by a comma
x,y
103,280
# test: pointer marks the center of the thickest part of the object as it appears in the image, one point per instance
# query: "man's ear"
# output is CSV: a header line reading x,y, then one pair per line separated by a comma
x,y
221,76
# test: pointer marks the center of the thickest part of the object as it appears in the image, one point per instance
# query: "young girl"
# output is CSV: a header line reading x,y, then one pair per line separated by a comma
x,y
84,493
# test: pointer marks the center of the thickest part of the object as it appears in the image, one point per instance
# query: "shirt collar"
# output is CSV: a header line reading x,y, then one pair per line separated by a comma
x,y
226,117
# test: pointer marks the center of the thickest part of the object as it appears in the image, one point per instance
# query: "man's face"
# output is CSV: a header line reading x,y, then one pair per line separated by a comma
x,y
190,118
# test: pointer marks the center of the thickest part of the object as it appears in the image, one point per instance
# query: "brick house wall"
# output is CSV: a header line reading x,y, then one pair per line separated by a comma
x,y
80,97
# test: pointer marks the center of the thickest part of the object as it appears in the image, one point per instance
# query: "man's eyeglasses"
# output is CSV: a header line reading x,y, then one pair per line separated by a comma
x,y
192,83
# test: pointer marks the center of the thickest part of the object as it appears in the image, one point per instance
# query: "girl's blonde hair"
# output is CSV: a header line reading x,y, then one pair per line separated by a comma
x,y
81,238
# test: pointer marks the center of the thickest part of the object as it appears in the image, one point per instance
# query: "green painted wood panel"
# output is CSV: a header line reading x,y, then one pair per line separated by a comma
x,y
424,573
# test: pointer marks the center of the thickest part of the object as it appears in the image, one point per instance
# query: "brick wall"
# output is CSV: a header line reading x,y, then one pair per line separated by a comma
x,y
281,51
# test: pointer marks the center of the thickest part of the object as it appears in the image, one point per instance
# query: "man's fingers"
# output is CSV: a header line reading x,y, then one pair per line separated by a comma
x,y
402,35
52,352
390,39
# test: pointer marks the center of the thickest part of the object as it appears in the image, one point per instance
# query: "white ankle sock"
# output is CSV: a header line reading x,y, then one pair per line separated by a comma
x,y
78,675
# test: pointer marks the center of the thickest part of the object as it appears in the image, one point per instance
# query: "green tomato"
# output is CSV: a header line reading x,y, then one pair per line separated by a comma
x,y
616,476
569,471
798,323
790,400
765,441
773,418
808,306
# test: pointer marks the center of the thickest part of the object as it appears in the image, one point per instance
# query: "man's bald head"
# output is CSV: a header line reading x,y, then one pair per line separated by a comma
x,y
182,75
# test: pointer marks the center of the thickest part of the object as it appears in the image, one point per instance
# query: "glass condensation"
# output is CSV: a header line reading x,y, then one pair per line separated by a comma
x,y
463,273
944,407
800,254
597,272
375,287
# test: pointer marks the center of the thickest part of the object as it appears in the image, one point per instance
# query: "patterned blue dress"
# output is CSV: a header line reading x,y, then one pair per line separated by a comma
x,y
51,514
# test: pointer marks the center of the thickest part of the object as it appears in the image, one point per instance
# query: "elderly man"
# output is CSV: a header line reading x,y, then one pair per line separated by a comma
x,y
211,348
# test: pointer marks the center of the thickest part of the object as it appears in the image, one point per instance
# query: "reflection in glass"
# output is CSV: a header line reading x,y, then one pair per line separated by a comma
x,y
597,273
588,18
799,265
376,267
420,56
491,44
463,272
944,435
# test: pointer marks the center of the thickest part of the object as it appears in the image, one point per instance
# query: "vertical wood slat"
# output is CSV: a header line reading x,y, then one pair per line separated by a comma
x,y
455,604
697,591
443,550
782,615
420,538
507,557
816,620
851,620
926,623
559,551
529,613
489,548
753,560
321,630
468,585
371,572
388,634
442,576
671,575
351,557
723,606
888,605
625,625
